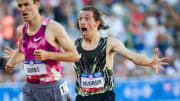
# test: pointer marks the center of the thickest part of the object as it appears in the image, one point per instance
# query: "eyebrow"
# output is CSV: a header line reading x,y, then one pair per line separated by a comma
x,y
86,16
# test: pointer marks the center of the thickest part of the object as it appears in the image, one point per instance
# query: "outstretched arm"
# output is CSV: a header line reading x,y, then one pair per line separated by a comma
x,y
138,59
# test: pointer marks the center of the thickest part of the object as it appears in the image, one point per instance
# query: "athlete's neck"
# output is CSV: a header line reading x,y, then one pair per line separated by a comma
x,y
34,24
94,37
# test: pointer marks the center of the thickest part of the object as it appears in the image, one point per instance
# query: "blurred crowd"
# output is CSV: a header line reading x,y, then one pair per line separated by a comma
x,y
142,25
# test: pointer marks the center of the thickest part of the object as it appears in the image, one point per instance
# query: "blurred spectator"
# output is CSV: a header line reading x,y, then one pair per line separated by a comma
x,y
7,27
87,2
59,15
150,35
1,43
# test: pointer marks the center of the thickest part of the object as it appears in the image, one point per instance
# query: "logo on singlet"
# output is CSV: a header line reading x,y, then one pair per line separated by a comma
x,y
31,62
36,39
90,77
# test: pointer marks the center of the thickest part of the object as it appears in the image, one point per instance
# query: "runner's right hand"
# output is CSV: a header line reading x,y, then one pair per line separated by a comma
x,y
8,51
9,67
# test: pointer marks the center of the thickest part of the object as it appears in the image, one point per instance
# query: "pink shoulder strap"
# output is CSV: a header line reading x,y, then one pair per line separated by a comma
x,y
24,29
45,21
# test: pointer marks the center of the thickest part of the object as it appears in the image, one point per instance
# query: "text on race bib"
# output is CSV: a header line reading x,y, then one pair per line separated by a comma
x,y
34,67
92,82
63,88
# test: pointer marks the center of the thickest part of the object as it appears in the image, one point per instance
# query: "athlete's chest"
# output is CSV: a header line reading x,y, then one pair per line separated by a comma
x,y
89,46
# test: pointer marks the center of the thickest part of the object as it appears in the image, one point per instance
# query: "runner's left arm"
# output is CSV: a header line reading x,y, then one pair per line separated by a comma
x,y
138,59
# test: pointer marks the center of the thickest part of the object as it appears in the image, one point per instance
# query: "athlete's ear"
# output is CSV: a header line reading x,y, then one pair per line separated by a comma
x,y
98,23
37,4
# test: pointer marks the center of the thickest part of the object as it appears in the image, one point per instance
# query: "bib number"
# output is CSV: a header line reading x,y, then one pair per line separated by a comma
x,y
34,67
63,88
92,82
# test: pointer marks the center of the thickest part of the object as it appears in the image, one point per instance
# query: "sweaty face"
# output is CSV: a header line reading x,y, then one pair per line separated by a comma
x,y
87,24
27,8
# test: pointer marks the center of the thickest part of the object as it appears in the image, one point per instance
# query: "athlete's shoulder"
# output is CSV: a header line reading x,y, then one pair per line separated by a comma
x,y
54,25
78,41
112,41
20,29
52,22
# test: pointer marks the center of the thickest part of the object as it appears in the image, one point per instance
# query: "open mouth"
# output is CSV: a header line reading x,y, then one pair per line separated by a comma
x,y
84,31
24,14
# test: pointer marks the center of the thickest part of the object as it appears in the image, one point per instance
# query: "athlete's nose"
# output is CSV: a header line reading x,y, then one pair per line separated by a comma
x,y
23,8
83,21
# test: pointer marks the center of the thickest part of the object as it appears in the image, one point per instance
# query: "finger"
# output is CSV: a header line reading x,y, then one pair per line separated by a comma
x,y
39,59
9,49
37,55
7,52
164,63
163,59
161,68
8,66
156,52
157,71
6,57
9,71
37,52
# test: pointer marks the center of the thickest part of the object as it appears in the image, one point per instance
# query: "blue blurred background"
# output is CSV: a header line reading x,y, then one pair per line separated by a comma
x,y
141,25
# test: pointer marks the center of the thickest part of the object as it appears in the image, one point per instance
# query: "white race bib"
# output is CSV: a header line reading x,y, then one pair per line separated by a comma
x,y
63,88
92,82
34,67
